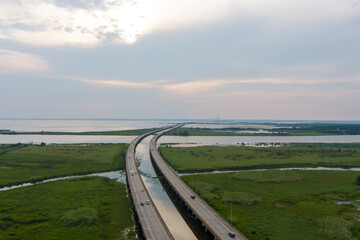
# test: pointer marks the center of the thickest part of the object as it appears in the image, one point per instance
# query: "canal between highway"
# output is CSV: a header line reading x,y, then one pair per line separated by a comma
x,y
175,222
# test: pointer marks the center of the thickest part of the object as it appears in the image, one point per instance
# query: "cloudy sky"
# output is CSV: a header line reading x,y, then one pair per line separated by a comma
x,y
236,59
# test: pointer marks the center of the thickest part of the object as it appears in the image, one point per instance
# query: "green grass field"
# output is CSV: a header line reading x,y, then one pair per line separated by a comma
x,y
25,162
285,205
208,158
79,208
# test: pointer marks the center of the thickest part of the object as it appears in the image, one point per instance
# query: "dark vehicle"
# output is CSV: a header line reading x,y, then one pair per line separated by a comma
x,y
192,196
232,235
142,203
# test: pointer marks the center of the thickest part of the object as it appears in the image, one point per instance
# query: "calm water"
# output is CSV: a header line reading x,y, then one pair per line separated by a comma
x,y
281,169
108,125
79,125
176,224
191,141
65,139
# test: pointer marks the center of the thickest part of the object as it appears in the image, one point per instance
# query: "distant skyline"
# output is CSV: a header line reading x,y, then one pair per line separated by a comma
x,y
154,59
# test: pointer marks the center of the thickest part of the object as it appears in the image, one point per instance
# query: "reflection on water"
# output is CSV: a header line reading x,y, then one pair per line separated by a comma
x,y
120,176
79,125
63,139
194,141
173,219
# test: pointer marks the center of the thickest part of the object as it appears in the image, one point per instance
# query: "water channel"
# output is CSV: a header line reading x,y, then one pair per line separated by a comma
x,y
281,169
120,176
172,217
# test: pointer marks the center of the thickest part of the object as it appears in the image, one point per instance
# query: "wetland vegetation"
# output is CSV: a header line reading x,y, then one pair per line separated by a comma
x,y
209,158
285,205
277,204
21,163
78,208
275,129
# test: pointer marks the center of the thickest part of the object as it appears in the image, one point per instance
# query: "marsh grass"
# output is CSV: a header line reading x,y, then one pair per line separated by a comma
x,y
241,198
335,228
205,190
210,158
85,216
286,209
21,163
269,176
88,208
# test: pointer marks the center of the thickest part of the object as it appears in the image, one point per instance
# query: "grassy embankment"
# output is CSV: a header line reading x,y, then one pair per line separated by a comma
x,y
209,158
134,132
310,129
285,205
79,208
26,162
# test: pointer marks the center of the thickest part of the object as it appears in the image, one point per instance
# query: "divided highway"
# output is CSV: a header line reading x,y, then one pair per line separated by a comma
x,y
152,224
211,220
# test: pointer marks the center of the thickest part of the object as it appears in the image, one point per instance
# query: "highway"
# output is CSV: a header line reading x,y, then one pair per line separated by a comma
x,y
152,224
210,219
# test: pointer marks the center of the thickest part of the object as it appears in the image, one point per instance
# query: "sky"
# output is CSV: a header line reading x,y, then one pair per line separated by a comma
x,y
232,59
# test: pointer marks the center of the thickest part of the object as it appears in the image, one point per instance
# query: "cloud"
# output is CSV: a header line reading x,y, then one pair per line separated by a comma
x,y
15,62
54,23
89,23
120,83
210,86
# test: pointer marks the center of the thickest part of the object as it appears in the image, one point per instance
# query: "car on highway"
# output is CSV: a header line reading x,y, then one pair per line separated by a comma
x,y
193,196
141,203
232,235
147,202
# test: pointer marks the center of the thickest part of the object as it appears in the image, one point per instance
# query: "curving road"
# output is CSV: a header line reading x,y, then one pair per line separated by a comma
x,y
150,220
213,222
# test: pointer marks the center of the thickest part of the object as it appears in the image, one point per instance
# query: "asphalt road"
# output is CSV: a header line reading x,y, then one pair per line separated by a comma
x,y
150,220
208,216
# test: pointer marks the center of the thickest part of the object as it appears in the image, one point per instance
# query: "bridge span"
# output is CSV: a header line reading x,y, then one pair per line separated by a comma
x,y
152,224
210,219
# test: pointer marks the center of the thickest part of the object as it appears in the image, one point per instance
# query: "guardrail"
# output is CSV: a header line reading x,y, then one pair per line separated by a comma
x,y
210,219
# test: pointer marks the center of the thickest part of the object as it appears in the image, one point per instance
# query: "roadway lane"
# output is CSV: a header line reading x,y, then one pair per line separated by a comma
x,y
151,222
208,216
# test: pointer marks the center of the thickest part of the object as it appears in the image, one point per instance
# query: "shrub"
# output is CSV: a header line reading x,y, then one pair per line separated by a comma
x,y
358,180
241,198
335,228
205,190
81,216
268,176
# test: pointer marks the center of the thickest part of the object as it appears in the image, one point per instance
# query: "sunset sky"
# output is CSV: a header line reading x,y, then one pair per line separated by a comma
x,y
236,59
